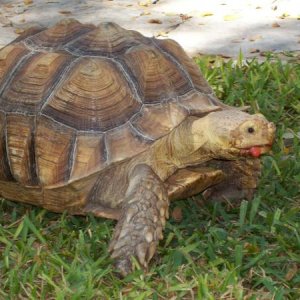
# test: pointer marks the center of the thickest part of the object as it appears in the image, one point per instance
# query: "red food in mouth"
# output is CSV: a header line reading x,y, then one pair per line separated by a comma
x,y
256,151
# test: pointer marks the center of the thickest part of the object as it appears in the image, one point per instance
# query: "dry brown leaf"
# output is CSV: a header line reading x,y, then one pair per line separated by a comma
x,y
275,25
65,12
155,21
27,2
251,248
254,50
185,17
292,271
231,17
255,38
177,214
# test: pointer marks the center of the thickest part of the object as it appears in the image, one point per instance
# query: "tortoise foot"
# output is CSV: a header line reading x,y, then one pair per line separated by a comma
x,y
142,221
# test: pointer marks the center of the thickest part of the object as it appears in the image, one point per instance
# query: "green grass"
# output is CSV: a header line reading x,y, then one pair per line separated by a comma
x,y
218,251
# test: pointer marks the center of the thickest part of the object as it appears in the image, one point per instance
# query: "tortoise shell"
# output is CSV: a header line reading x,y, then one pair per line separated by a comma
x,y
76,98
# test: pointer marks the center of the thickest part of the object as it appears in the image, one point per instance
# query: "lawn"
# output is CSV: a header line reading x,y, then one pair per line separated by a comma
x,y
217,251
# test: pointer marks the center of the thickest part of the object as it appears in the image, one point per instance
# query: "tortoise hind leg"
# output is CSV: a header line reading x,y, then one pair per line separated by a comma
x,y
241,180
142,220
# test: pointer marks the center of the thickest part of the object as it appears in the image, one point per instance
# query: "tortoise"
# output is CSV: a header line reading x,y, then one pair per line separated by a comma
x,y
103,120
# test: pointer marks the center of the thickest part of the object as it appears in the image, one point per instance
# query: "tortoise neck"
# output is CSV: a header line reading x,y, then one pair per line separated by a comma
x,y
179,149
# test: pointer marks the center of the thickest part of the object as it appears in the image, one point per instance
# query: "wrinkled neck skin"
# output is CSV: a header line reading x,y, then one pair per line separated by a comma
x,y
181,148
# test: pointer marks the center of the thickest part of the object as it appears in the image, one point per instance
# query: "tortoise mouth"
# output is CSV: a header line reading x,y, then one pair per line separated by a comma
x,y
256,150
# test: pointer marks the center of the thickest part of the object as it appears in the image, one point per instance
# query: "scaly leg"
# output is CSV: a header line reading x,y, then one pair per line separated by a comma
x,y
142,220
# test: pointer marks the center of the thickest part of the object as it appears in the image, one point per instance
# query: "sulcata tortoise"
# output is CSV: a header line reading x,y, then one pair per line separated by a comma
x,y
102,120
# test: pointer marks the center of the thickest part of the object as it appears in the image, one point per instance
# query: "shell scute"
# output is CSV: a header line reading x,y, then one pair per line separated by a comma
x,y
173,48
157,77
54,148
89,154
124,142
95,96
34,82
10,57
107,39
5,173
155,121
20,148
57,36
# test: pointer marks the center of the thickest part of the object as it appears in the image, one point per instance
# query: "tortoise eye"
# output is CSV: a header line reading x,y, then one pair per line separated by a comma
x,y
251,129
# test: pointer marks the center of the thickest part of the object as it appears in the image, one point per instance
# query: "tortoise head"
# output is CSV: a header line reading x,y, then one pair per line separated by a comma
x,y
233,133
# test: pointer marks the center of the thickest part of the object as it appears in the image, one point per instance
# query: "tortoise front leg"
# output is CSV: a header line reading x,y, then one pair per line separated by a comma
x,y
142,220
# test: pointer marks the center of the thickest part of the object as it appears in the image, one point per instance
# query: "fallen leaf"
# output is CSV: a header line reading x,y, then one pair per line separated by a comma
x,y
19,30
185,17
177,214
284,15
144,3
292,271
155,21
251,248
255,38
27,2
275,25
65,12
231,17
206,14
145,13
162,33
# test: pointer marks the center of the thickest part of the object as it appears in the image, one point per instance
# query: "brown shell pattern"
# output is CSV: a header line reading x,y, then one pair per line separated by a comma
x,y
75,98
